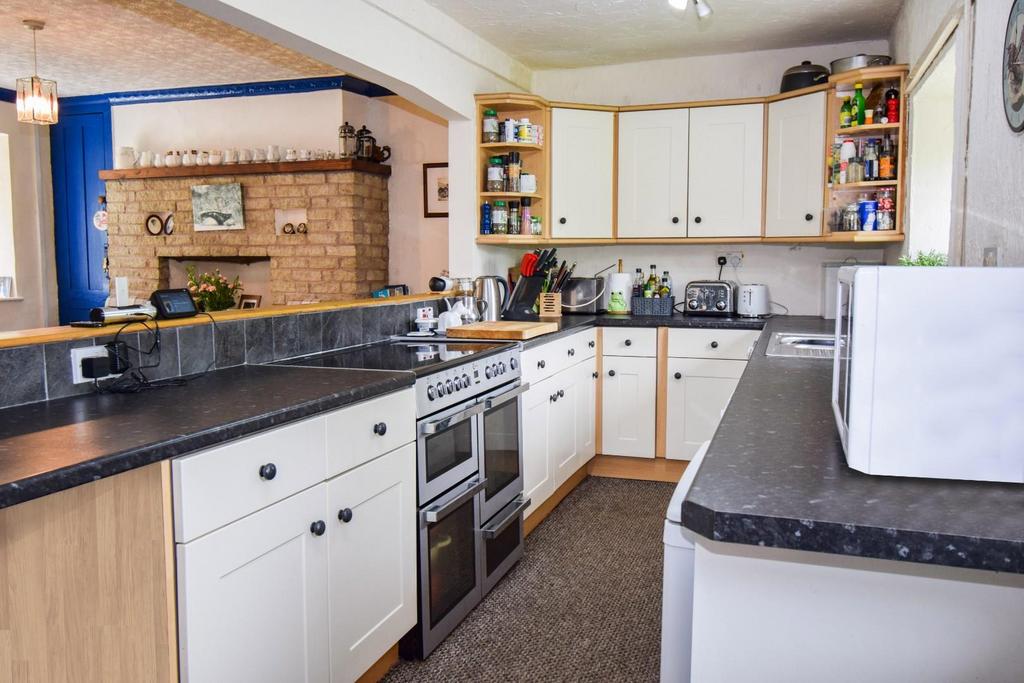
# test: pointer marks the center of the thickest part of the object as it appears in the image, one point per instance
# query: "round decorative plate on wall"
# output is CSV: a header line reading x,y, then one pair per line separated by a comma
x,y
154,224
1013,67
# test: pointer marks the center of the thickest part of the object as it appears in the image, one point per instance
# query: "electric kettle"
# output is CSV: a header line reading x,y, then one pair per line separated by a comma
x,y
485,289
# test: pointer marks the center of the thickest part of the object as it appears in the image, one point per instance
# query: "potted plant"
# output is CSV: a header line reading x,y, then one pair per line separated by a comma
x,y
212,291
930,258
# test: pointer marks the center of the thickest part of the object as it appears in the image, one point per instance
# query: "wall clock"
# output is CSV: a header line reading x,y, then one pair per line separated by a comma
x,y
1013,67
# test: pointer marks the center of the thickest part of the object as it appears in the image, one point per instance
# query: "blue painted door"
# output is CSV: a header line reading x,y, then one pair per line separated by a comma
x,y
80,147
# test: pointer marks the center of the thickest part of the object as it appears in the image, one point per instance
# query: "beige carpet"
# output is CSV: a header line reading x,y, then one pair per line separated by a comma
x,y
584,603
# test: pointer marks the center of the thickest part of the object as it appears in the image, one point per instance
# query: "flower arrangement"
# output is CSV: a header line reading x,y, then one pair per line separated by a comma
x,y
212,291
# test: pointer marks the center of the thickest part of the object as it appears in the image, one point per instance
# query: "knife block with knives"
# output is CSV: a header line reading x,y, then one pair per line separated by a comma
x,y
524,296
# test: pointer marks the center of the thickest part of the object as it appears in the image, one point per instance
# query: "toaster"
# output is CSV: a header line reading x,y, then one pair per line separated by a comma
x,y
711,297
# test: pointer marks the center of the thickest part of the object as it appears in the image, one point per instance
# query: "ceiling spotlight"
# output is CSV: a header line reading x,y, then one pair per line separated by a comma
x,y
679,4
703,9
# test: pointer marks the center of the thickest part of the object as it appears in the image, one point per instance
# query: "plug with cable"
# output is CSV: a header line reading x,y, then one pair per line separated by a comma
x,y
117,355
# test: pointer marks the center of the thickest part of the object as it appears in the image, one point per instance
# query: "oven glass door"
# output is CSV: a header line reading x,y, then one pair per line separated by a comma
x,y
446,450
501,453
449,562
502,542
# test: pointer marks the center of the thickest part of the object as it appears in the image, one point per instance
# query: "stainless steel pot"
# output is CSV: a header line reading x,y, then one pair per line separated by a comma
x,y
859,61
804,75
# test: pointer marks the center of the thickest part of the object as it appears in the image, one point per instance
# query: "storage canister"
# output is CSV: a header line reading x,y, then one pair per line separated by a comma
x,y
496,175
499,218
490,126
513,218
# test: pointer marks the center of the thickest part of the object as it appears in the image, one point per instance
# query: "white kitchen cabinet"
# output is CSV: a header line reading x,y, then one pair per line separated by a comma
x,y
582,158
538,480
562,425
796,134
627,411
725,174
653,163
252,596
586,409
698,391
372,583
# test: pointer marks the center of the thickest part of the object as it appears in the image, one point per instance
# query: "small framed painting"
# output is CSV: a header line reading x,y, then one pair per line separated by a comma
x,y
435,190
217,207
1013,68
247,301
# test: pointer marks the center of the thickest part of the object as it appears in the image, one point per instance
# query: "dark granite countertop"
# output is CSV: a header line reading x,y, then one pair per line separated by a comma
x,y
569,324
775,475
55,445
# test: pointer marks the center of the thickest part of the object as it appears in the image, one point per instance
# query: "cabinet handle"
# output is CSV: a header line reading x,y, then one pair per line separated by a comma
x,y
562,220
592,344
561,393
809,217
675,219
629,342
318,528
345,515
572,352
696,219
611,373
380,429
679,375
268,471
541,364
553,397
714,345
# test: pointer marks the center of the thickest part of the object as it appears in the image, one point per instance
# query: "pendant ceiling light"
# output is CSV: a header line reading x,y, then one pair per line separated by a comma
x,y
703,8
36,97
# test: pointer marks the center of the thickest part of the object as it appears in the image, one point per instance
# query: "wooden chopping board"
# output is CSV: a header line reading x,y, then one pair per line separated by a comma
x,y
502,329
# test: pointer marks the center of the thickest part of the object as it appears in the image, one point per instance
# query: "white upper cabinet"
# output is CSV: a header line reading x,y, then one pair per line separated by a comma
x,y
796,141
653,162
725,174
582,156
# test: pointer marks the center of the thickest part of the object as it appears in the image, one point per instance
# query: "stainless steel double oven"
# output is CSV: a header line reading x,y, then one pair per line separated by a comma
x,y
470,491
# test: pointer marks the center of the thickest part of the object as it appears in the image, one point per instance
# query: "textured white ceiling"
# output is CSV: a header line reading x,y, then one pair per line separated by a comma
x,y
571,33
100,46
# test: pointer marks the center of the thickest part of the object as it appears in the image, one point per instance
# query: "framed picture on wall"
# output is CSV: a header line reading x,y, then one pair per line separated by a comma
x,y
217,207
435,190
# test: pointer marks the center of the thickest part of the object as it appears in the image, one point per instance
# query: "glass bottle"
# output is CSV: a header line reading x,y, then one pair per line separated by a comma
x,y
536,229
638,283
651,286
871,160
892,104
845,114
886,160
512,173
665,290
513,218
490,126
858,104
666,281
525,219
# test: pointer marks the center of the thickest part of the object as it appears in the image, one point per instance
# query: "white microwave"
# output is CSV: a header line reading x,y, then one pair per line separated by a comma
x,y
928,375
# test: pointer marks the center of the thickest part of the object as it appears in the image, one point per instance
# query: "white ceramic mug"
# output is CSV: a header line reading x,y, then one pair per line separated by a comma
x,y
145,159
290,155
215,158
273,153
244,156
230,156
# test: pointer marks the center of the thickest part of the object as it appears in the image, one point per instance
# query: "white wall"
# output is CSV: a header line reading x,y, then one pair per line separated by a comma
x,y
300,120
418,246
32,210
916,26
746,74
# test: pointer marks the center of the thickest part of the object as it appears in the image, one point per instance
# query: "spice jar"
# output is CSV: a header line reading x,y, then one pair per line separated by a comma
x,y
499,218
525,225
490,126
512,177
496,175
535,227
851,218
513,218
885,218
855,170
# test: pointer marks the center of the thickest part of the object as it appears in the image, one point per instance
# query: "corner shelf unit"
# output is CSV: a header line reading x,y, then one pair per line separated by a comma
x,y
536,159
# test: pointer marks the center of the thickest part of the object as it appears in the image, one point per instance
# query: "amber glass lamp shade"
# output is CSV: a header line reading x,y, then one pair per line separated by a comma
x,y
36,101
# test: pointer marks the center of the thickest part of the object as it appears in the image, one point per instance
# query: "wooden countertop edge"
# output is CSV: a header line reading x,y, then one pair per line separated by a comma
x,y
45,335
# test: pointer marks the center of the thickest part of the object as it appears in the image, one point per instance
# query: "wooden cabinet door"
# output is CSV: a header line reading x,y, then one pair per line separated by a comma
x,y
252,596
563,449
586,409
796,143
653,161
698,392
372,562
582,154
538,480
627,411
726,150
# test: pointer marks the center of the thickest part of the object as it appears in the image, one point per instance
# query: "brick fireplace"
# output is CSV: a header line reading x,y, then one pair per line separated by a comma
x,y
343,256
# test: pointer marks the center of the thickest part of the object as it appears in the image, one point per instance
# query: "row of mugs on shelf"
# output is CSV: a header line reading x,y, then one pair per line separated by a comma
x,y
128,158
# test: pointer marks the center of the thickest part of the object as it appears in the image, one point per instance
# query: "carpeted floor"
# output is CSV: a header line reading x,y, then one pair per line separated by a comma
x,y
584,603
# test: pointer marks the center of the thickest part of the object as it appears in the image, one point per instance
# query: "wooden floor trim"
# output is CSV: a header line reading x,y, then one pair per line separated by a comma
x,y
545,508
381,667
645,469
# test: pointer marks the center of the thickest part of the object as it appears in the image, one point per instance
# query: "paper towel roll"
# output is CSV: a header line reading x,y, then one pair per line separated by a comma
x,y
620,290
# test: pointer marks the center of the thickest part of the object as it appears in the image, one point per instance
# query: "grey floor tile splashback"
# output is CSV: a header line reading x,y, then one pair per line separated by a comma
x,y
229,343
22,375
59,378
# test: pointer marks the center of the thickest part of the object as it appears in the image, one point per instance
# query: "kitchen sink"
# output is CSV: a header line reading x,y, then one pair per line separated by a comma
x,y
799,345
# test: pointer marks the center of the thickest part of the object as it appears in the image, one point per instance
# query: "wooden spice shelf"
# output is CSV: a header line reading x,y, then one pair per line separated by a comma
x,y
528,146
513,195
878,236
865,236
248,169
863,184
869,128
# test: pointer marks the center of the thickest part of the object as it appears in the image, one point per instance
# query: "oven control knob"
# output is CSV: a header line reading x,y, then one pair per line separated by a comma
x,y
431,393
458,384
440,389
513,363
449,386
487,372
502,367
465,381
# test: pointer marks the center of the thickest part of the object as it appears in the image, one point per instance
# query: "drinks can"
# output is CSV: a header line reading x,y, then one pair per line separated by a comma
x,y
866,209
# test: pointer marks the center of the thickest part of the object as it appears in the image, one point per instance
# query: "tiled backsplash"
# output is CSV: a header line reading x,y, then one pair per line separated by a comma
x,y
43,371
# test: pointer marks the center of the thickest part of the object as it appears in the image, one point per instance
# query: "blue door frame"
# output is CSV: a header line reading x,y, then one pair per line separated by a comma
x,y
80,147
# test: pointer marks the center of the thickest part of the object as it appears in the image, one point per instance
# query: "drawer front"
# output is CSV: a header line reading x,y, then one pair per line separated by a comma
x,y
724,344
359,433
541,362
632,341
582,346
223,484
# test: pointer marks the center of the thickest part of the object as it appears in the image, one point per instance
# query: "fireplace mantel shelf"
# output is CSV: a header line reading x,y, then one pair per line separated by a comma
x,y
248,169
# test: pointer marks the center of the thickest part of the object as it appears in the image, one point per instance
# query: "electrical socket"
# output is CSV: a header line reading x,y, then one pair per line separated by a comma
x,y
733,259
76,362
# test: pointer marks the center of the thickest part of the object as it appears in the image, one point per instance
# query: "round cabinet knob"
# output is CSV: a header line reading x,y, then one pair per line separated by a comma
x,y
553,397
561,393
714,345
675,219
318,528
696,219
629,342
679,375
595,375
572,352
611,373
541,364
268,471
380,429
345,515
431,393
592,344
809,217
562,220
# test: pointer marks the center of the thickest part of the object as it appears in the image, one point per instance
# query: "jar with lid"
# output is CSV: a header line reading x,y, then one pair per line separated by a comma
x,y
855,170
513,218
348,146
523,130
871,159
512,175
496,175
536,229
490,126
885,218
851,218
525,223
499,218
